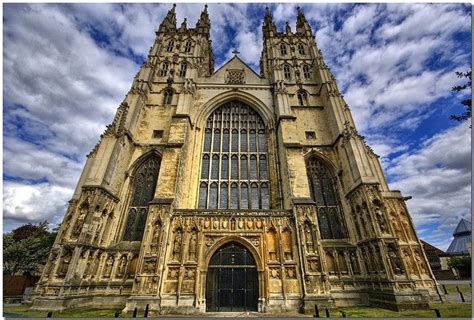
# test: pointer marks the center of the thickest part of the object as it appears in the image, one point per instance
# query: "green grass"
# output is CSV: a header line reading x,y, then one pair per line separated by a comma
x,y
451,288
447,311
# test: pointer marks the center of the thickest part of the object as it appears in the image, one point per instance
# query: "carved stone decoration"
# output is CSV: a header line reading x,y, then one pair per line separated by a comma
x,y
64,264
274,273
173,273
235,76
420,261
379,216
149,265
407,256
190,274
109,263
122,266
177,245
287,244
272,245
395,262
308,234
314,264
76,231
290,273
192,246
354,262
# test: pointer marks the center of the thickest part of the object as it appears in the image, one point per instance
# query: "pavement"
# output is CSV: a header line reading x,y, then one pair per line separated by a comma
x,y
455,282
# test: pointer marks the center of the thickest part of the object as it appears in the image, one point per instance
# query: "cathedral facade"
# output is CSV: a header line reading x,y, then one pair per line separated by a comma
x,y
230,190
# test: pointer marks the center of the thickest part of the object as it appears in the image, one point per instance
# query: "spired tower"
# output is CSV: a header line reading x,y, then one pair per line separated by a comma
x,y
228,190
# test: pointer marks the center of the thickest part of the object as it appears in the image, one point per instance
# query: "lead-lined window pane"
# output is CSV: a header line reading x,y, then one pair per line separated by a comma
x,y
254,196
234,196
223,199
225,168
244,196
264,196
235,141
243,167
207,140
217,141
225,141
253,141
253,168
263,168
262,141
235,168
205,167
213,196
243,141
203,196
215,167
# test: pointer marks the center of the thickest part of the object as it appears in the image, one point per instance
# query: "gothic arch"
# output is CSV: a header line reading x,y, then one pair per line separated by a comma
x,y
221,242
253,102
328,162
140,160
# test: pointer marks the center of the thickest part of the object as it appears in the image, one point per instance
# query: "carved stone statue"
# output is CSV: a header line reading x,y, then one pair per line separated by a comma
x,y
309,238
108,266
177,245
395,261
122,266
193,246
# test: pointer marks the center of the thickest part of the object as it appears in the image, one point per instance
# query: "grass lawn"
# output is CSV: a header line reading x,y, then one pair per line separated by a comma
x,y
447,310
451,288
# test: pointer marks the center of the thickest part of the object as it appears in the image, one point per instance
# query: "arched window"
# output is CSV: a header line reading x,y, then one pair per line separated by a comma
x,y
168,97
144,184
170,46
164,69
301,49
306,71
324,193
188,47
235,159
287,71
182,70
283,49
302,98
203,195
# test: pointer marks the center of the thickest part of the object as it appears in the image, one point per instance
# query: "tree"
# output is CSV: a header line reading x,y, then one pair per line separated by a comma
x,y
26,249
462,264
466,102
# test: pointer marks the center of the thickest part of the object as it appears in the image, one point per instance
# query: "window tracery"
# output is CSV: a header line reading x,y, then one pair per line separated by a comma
x,y
170,46
302,98
283,49
324,193
144,184
287,71
182,71
234,170
164,69
306,71
168,97
301,49
188,47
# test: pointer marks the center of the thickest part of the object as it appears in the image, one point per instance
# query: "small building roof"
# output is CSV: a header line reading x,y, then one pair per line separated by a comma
x,y
462,236
430,247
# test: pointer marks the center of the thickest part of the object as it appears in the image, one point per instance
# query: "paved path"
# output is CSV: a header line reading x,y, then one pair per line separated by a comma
x,y
455,282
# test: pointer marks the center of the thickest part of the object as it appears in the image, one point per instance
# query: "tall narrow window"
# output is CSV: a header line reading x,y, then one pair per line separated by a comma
x,y
244,196
168,97
182,70
254,196
164,69
287,71
225,140
213,196
301,49
170,46
225,167
306,71
188,47
324,193
234,159
215,167
283,49
144,184
203,195
223,199
302,98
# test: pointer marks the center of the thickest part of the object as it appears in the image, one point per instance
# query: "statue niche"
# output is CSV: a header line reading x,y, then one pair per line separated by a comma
x,y
192,246
178,237
272,245
83,211
287,244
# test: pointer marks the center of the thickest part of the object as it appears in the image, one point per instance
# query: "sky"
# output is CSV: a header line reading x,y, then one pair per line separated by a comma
x,y
67,67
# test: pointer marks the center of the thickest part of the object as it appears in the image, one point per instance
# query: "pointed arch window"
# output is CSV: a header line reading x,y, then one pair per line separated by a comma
x,y
235,160
182,70
301,49
324,193
283,49
188,47
143,184
302,98
168,97
287,71
306,71
170,46
164,69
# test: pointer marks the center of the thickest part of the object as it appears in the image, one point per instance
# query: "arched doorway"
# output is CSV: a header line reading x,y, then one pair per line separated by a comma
x,y
232,280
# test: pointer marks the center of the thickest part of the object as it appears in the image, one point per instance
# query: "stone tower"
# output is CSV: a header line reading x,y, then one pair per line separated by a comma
x,y
230,190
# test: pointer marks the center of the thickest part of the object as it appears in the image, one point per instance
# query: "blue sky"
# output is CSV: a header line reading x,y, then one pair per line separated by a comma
x,y
68,66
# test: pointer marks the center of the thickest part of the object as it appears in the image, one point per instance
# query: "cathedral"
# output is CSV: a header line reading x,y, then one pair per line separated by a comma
x,y
232,190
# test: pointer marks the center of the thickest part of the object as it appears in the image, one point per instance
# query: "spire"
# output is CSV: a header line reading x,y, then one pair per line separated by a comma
x,y
302,25
184,24
169,22
204,23
268,25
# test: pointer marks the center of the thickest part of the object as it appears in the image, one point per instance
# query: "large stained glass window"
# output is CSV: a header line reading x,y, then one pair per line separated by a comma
x,y
144,184
234,172
324,193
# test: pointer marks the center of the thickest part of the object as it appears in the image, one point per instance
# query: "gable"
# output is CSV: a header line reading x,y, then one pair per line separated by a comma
x,y
237,72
